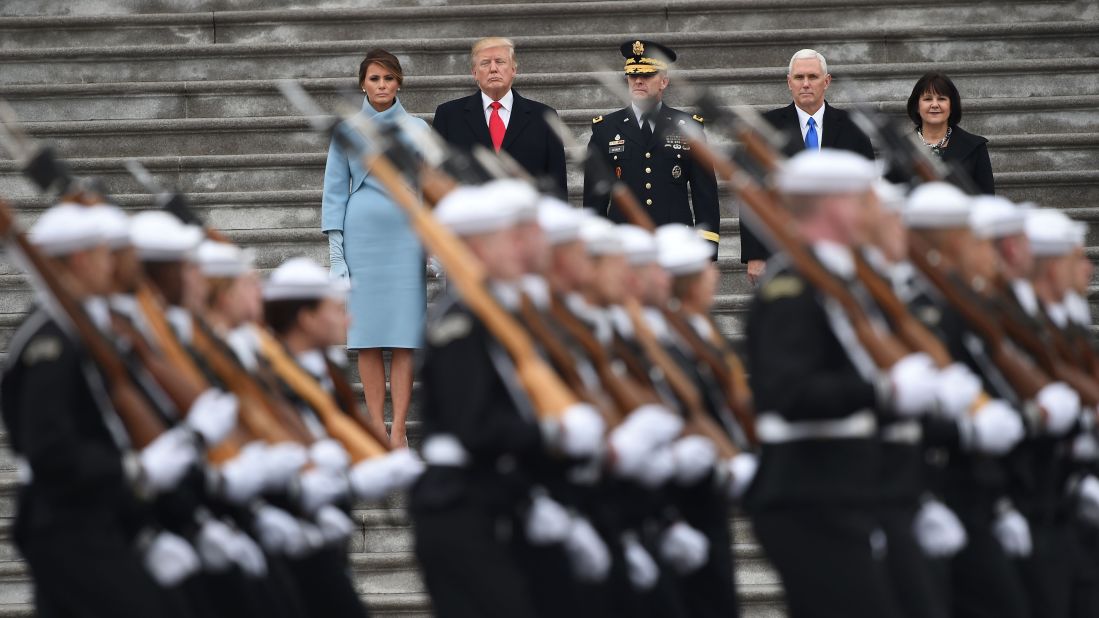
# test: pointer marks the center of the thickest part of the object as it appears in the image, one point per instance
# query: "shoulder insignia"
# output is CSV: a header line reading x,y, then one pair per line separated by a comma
x,y
42,349
597,120
697,118
781,286
449,328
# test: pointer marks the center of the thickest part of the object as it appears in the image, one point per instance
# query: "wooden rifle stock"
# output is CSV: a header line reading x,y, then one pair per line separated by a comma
x,y
698,421
141,421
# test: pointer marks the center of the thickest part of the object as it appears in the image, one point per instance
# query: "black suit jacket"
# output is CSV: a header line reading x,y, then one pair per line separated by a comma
x,y
969,152
840,132
528,137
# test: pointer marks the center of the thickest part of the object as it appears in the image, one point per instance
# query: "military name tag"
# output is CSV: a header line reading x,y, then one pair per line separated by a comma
x,y
616,145
677,171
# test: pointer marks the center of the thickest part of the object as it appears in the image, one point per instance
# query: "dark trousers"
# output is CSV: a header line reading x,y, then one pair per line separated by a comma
x,y
825,559
911,575
325,584
710,592
1049,571
1085,583
93,574
468,569
984,582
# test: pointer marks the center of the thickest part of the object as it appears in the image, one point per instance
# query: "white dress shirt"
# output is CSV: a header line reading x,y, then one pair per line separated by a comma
x,y
506,102
637,112
818,118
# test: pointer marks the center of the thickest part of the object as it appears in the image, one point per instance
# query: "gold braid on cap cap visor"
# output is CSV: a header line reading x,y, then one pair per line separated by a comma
x,y
644,65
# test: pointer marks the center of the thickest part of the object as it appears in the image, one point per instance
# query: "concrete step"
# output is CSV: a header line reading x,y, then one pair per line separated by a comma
x,y
1070,76
433,56
599,18
140,7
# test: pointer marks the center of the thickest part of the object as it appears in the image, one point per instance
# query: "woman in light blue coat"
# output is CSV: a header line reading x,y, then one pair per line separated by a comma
x,y
370,241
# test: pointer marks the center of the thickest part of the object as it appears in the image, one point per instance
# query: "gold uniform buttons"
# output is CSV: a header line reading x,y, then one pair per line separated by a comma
x,y
648,202
648,155
648,185
648,170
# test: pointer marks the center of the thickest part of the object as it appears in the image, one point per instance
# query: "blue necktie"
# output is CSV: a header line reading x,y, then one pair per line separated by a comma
x,y
811,141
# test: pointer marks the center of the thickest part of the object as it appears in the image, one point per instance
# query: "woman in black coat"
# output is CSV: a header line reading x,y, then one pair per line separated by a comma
x,y
936,108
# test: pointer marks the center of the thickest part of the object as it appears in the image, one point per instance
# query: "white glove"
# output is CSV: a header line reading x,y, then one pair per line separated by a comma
x,y
320,487
994,430
283,461
587,553
956,390
244,476
578,433
213,415
280,532
167,459
405,466
336,263
1085,447
547,521
654,423
248,555
1062,406
370,479
215,545
684,548
329,454
1088,494
915,382
938,530
170,559
656,469
334,524
742,470
694,457
1013,532
314,538
640,566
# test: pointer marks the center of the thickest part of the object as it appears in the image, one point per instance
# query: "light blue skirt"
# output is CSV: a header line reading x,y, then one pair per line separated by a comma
x,y
386,262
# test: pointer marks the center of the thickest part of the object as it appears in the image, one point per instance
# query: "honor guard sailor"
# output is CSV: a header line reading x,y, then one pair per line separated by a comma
x,y
646,146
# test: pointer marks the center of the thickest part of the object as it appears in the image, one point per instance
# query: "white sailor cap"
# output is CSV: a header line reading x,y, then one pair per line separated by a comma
x,y
114,224
681,250
996,217
825,172
600,236
159,236
937,205
514,194
638,244
890,195
560,222
466,211
301,278
220,259
64,229
1052,233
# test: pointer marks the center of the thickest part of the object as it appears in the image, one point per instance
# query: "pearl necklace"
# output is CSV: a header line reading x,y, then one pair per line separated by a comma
x,y
936,148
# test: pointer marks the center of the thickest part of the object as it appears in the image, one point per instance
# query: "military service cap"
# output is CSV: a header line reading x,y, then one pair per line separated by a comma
x,y
64,229
644,57
936,205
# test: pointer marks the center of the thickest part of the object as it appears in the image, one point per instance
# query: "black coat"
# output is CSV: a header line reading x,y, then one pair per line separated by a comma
x,y
970,153
659,171
528,137
840,132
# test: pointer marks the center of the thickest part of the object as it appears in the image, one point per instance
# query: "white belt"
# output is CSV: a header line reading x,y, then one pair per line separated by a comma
x,y
772,428
444,450
905,432
23,472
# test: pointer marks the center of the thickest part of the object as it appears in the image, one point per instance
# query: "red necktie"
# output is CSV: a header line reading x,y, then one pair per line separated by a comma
x,y
496,126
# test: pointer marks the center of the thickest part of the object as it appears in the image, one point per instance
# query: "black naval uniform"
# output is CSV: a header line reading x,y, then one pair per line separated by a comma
x,y
659,170
78,515
814,498
464,511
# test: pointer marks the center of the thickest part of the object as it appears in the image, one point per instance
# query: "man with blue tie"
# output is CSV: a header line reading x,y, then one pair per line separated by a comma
x,y
811,124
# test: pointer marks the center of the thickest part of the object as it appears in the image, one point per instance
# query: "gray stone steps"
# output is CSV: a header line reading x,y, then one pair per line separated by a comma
x,y
431,56
596,18
131,7
1070,76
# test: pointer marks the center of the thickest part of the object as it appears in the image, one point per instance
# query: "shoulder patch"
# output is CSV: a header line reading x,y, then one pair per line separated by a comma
x,y
42,349
597,120
781,286
449,328
698,118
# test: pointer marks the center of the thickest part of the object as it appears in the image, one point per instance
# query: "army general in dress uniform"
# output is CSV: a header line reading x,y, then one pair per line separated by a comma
x,y
645,145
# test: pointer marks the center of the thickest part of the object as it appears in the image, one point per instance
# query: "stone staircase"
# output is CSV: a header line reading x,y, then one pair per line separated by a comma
x,y
189,87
